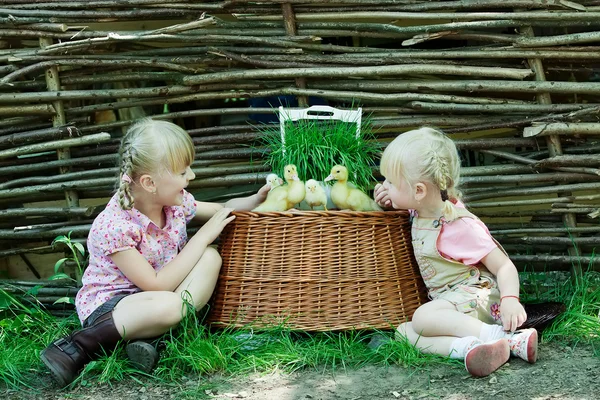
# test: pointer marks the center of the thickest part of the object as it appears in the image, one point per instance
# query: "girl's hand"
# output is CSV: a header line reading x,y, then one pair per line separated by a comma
x,y
381,195
512,313
213,227
250,202
261,195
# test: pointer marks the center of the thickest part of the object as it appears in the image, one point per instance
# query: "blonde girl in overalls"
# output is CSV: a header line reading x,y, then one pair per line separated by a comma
x,y
474,310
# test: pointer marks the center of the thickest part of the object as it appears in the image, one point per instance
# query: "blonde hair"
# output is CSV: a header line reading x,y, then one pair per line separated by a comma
x,y
425,154
151,147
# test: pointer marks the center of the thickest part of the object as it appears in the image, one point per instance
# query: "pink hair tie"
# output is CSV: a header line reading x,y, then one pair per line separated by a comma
x,y
126,178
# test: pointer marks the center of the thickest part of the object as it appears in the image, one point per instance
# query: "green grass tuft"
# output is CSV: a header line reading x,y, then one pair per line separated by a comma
x,y
315,146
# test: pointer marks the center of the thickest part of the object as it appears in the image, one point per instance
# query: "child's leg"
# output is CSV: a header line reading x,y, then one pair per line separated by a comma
x,y
434,345
481,359
440,318
201,281
148,314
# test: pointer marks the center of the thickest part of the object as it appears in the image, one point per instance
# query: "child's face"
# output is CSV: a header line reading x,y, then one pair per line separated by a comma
x,y
170,185
401,194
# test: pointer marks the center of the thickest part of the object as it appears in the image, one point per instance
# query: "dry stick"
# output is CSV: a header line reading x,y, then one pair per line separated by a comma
x,y
392,16
58,132
525,160
574,38
474,86
510,73
436,5
96,3
289,21
550,200
6,98
524,122
139,14
534,178
39,109
64,177
561,128
200,23
267,64
81,141
554,240
557,229
569,161
47,212
132,63
59,119
497,108
506,192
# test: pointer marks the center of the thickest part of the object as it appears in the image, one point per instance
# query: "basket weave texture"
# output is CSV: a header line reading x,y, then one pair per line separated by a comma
x,y
317,271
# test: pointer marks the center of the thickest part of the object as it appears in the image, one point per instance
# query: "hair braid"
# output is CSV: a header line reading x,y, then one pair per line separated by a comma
x,y
125,198
442,178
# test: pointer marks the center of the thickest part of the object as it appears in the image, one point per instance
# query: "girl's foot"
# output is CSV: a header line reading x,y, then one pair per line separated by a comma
x,y
142,355
485,358
523,343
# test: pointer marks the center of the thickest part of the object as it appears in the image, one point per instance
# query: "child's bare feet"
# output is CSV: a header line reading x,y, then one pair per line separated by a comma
x,y
485,358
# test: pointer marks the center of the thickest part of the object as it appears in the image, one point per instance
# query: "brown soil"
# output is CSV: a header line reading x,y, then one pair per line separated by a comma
x,y
561,372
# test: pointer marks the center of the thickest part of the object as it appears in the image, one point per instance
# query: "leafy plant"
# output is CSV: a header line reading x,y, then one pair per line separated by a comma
x,y
77,256
315,146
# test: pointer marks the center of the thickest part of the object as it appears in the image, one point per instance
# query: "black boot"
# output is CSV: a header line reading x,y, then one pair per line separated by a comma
x,y
143,354
66,357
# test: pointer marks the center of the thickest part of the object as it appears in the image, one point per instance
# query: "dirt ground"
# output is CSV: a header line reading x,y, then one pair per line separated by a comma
x,y
562,372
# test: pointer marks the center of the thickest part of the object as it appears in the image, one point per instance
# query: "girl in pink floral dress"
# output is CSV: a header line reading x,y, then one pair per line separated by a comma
x,y
474,310
141,265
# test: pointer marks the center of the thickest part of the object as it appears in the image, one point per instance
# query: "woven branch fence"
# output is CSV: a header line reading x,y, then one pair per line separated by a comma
x,y
516,83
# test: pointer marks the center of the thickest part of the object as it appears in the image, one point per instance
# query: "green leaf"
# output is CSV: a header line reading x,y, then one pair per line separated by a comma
x,y
79,247
59,276
68,300
59,263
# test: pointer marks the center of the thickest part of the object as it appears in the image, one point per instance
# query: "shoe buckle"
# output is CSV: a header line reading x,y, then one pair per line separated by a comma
x,y
61,342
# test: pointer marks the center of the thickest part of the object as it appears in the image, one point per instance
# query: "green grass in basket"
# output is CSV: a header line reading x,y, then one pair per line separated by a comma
x,y
315,146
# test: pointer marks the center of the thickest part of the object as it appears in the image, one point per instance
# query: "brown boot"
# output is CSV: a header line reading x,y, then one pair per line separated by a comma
x,y
66,357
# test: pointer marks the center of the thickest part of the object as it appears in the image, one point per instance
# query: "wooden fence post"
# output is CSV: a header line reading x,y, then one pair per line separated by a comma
x,y
59,119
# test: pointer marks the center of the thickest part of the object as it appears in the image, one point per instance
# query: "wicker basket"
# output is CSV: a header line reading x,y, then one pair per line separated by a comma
x,y
317,271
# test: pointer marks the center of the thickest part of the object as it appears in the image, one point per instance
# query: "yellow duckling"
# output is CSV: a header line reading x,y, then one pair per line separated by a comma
x,y
315,194
273,180
282,198
346,197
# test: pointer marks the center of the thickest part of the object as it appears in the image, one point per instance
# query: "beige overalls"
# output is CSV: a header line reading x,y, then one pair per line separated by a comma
x,y
471,288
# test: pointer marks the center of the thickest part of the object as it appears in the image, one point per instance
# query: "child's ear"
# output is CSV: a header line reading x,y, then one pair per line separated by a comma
x,y
420,191
147,183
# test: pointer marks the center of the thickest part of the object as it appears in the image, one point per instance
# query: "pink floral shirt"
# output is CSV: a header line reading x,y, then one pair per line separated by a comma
x,y
116,230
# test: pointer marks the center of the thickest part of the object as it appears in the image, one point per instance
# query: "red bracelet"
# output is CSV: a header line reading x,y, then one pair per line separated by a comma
x,y
503,297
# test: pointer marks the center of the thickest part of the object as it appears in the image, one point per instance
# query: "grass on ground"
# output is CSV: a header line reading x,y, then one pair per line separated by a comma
x,y
194,349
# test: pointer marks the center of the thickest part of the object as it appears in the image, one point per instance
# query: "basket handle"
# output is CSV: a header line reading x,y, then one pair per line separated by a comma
x,y
318,112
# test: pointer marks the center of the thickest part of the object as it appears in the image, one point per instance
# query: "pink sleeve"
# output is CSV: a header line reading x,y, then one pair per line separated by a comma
x,y
113,236
189,206
466,240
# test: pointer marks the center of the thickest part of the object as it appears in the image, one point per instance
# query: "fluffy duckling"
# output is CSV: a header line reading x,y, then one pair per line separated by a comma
x,y
315,194
346,197
282,198
273,180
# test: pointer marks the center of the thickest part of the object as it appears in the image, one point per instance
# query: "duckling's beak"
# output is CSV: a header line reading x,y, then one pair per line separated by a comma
x,y
329,178
295,177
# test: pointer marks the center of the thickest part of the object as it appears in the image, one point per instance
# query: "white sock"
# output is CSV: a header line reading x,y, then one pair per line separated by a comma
x,y
491,332
460,346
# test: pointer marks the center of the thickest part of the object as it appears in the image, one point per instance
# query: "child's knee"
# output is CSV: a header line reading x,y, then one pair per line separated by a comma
x,y
212,257
170,311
